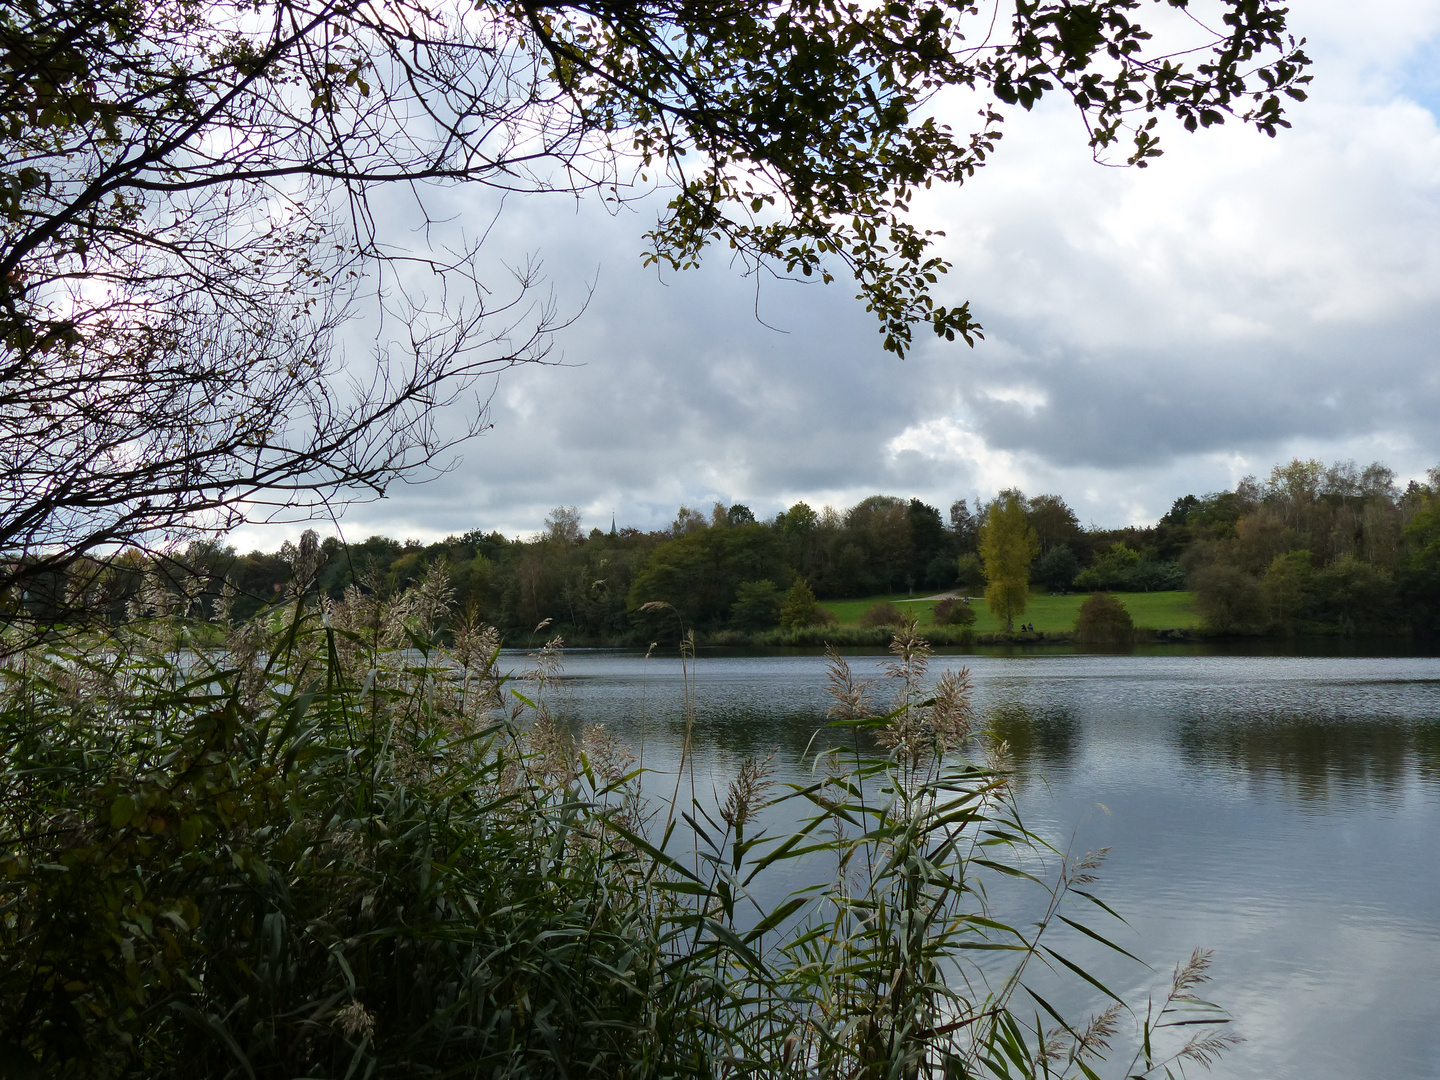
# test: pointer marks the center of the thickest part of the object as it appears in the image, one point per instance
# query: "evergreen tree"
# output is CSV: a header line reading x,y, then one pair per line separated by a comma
x,y
799,607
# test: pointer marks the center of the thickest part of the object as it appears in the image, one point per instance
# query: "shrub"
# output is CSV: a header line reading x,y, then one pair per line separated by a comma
x,y
1103,620
953,611
883,613
307,854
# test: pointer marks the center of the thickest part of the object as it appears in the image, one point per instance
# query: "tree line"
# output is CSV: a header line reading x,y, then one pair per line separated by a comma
x,y
1311,549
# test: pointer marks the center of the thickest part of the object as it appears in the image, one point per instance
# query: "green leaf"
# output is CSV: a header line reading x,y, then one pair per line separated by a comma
x,y
1103,940
1083,974
122,812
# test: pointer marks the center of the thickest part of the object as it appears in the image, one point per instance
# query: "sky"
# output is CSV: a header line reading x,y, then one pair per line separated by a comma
x,y
1148,333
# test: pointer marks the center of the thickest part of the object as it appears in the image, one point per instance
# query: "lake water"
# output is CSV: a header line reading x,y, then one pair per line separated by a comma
x,y
1283,811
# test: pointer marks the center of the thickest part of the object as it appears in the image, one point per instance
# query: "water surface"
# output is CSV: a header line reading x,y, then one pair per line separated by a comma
x,y
1283,811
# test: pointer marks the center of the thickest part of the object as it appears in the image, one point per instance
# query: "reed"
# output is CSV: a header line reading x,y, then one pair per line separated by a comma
x,y
337,847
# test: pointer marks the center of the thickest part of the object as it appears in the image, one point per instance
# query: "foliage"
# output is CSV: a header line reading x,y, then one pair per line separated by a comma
x,y
1111,569
1419,586
1179,512
1055,524
1228,598
883,613
1284,590
953,612
1056,569
304,855
1314,549
700,573
811,124
1008,545
969,572
1103,620
586,583
799,607
1122,568
757,605
1354,596
336,848
1420,570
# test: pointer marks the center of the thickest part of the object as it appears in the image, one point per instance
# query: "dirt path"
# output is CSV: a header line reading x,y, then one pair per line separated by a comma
x,y
953,594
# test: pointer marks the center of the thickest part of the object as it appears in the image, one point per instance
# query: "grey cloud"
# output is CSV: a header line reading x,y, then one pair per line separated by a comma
x,y
673,390
1122,407
1148,334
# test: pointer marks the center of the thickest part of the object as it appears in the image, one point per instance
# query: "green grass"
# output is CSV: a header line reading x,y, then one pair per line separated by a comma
x,y
1050,614
849,611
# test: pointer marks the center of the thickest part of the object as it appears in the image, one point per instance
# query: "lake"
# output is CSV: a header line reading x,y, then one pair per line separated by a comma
x,y
1283,811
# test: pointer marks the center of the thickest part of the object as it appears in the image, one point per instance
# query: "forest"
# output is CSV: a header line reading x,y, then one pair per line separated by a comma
x,y
1311,549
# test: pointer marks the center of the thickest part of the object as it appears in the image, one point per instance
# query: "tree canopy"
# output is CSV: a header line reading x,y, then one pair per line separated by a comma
x,y
188,219
1008,545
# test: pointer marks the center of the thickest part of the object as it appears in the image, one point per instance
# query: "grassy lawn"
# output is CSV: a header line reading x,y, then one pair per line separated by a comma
x,y
1051,614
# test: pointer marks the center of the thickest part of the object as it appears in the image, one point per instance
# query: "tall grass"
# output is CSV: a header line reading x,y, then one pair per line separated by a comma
x,y
345,846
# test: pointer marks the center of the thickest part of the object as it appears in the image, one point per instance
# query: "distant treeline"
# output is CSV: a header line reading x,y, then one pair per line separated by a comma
x,y
1309,550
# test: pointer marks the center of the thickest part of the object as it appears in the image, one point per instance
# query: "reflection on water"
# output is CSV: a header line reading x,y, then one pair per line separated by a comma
x,y
1043,740
1282,810
1318,759
1320,728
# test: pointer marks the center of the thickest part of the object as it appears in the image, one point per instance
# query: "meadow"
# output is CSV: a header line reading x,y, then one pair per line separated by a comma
x,y
1049,614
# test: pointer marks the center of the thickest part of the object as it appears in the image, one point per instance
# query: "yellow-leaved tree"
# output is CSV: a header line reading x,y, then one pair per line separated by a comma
x,y
1008,545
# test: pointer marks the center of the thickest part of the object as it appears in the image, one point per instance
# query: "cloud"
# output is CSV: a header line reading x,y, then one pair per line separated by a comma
x,y
1149,332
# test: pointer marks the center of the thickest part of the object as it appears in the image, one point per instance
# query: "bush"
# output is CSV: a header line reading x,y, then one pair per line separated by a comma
x,y
883,613
1103,620
307,854
335,848
953,612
